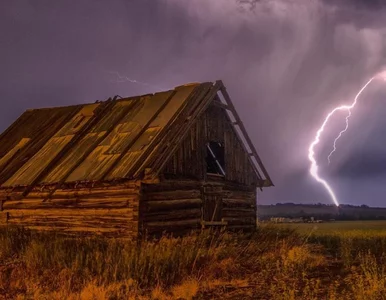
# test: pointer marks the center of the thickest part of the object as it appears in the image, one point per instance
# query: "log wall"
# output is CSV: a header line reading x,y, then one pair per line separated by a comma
x,y
179,206
239,207
190,159
112,211
170,207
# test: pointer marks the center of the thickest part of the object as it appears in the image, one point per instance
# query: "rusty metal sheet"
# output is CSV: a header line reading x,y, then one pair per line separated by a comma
x,y
31,170
144,141
76,154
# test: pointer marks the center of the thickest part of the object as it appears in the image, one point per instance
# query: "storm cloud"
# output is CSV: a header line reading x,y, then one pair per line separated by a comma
x,y
285,65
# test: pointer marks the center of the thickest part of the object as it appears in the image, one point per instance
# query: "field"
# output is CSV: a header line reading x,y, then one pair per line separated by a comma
x,y
342,260
340,227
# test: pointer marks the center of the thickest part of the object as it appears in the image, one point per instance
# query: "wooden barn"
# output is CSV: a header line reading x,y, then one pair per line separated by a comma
x,y
172,161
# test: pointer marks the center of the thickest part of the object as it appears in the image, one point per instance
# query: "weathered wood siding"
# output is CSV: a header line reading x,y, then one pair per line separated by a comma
x,y
190,159
181,206
239,207
170,207
112,211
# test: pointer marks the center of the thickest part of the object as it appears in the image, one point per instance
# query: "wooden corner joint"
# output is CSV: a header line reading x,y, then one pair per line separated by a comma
x,y
149,176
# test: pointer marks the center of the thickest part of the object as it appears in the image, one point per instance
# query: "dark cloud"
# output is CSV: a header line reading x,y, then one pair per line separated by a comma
x,y
365,165
285,64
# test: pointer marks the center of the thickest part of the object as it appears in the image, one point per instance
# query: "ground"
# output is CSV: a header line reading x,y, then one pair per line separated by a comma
x,y
340,260
339,227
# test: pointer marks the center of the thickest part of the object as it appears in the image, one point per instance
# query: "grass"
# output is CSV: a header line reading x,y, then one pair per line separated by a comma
x,y
275,262
339,227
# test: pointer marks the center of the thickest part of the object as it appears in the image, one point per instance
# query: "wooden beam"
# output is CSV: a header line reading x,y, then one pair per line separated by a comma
x,y
243,130
220,104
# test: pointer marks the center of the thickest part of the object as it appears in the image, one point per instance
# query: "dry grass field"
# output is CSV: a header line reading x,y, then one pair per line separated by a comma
x,y
339,227
275,262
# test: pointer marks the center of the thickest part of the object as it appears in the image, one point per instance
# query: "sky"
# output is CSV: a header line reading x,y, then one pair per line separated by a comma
x,y
285,63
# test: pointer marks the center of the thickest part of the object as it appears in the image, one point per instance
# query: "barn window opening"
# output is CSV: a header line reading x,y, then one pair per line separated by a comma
x,y
215,158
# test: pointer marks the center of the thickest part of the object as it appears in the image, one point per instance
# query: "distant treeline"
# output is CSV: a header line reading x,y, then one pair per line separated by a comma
x,y
321,211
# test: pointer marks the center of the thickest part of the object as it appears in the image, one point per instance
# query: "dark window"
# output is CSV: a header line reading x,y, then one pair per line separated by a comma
x,y
215,158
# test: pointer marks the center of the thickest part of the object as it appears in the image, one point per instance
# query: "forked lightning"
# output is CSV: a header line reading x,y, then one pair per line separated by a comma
x,y
311,152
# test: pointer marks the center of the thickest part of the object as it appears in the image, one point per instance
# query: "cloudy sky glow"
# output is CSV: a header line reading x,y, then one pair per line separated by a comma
x,y
285,64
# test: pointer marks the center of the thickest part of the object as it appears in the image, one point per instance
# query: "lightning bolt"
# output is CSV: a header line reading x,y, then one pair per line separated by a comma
x,y
348,116
311,152
121,79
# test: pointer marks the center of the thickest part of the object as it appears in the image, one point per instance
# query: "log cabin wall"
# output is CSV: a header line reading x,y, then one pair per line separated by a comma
x,y
111,211
170,206
239,207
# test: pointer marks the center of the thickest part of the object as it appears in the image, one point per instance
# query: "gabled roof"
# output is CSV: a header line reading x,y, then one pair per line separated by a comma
x,y
102,141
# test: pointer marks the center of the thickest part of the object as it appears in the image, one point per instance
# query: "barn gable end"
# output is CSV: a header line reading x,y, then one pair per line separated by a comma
x,y
190,194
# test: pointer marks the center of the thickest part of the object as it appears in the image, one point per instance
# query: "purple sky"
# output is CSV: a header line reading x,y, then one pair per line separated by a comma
x,y
285,64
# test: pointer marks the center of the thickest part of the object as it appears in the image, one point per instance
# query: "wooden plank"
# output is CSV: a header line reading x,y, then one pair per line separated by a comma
x,y
241,203
161,205
220,104
233,186
67,203
94,219
214,223
95,225
116,212
97,192
173,195
238,213
243,130
171,185
4,216
84,193
173,224
175,215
